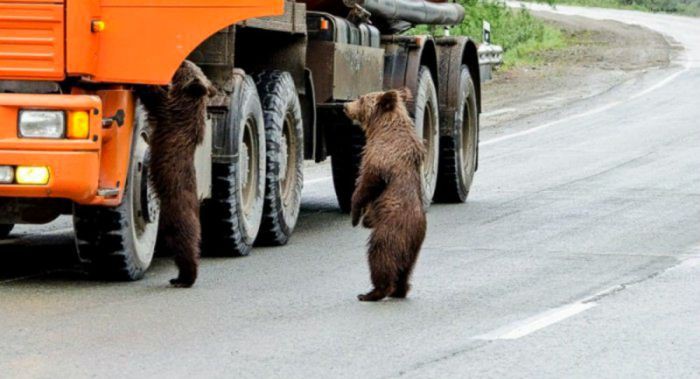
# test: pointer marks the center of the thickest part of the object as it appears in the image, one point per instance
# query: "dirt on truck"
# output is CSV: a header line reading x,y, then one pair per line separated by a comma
x,y
74,138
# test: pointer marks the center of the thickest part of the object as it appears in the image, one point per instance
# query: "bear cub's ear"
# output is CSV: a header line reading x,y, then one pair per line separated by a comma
x,y
199,87
190,80
388,100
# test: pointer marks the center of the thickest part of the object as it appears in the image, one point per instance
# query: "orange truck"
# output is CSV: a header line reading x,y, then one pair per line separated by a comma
x,y
74,136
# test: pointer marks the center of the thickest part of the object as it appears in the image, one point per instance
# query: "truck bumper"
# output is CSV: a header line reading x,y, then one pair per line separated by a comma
x,y
72,175
75,171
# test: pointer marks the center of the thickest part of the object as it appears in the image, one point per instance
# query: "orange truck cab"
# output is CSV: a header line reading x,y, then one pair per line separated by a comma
x,y
105,45
74,137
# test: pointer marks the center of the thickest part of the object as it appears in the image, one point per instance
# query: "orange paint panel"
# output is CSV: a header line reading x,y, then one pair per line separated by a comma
x,y
31,41
34,1
190,3
11,104
31,101
145,41
82,44
74,164
73,174
109,147
116,141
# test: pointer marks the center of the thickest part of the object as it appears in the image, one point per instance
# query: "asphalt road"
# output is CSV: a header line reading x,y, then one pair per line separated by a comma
x,y
578,255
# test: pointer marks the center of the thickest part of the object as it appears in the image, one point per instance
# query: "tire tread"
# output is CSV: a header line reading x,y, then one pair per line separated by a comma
x,y
277,93
101,242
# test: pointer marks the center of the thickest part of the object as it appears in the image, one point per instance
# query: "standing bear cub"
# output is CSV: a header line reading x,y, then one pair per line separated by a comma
x,y
177,116
388,195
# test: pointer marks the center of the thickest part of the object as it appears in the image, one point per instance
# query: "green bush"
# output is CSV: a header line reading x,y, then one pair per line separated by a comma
x,y
519,33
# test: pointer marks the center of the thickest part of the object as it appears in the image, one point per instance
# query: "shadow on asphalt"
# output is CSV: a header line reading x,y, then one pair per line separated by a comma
x,y
40,258
37,255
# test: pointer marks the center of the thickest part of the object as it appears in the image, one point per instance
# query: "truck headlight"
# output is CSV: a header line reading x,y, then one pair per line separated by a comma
x,y
32,175
7,174
42,124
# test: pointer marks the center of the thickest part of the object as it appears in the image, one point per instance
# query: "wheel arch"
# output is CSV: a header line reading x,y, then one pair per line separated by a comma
x,y
429,58
470,57
404,57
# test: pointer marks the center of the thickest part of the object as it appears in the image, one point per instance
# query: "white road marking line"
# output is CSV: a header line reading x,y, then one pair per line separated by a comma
x,y
688,263
663,82
498,112
600,109
550,124
685,64
691,260
530,325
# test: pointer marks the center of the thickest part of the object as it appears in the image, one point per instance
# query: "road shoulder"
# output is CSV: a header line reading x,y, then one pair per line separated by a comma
x,y
601,56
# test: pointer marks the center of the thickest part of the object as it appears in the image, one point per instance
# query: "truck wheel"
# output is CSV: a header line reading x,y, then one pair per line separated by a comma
x,y
231,217
5,230
427,121
285,157
118,243
346,157
458,149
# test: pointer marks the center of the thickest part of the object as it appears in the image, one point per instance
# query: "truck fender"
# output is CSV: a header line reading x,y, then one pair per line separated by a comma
x,y
404,57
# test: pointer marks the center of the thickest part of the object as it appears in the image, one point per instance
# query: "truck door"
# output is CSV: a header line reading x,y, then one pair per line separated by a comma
x,y
32,40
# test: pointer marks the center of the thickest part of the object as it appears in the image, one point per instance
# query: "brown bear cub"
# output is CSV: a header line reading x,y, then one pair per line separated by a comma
x,y
177,117
388,195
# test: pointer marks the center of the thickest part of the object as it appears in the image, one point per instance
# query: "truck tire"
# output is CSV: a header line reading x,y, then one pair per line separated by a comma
x,y
5,230
231,218
458,150
427,120
118,243
346,157
284,136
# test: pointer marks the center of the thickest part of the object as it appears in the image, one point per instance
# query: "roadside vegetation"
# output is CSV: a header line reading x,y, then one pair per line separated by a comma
x,y
522,36
685,7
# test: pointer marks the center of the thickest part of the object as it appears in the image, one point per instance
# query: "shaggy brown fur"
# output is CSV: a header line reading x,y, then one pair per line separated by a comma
x,y
388,196
177,116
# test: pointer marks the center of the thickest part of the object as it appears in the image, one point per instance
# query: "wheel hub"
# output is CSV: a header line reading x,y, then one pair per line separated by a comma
x,y
284,158
245,165
145,208
429,141
469,141
249,168
149,206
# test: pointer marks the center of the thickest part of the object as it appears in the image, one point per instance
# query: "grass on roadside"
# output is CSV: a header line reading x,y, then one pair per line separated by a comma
x,y
521,35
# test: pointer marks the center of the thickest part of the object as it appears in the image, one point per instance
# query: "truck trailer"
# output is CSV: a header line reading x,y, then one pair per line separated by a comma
x,y
74,137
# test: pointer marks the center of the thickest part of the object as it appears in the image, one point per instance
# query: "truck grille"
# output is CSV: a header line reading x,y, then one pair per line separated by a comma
x,y
31,41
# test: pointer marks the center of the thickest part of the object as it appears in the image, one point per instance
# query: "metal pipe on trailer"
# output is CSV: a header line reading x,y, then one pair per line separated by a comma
x,y
415,12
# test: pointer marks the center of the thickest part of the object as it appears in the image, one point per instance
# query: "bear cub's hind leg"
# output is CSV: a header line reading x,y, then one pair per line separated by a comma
x,y
383,272
402,286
